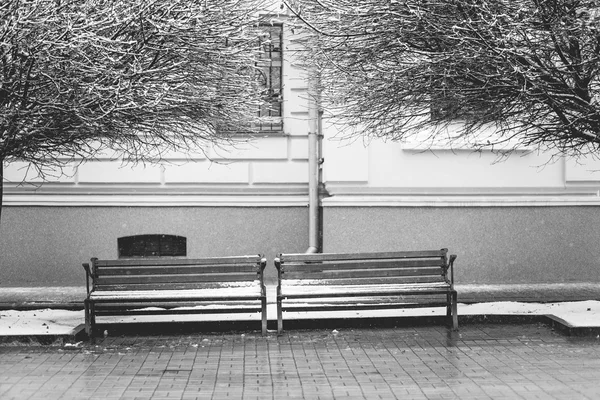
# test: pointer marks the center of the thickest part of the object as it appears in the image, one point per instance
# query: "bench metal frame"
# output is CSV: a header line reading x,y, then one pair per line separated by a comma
x,y
365,281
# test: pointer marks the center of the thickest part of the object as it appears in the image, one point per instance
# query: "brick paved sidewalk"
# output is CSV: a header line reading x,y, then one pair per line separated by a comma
x,y
479,362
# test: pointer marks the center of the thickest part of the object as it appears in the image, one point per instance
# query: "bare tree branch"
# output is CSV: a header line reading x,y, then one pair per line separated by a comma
x,y
524,70
140,76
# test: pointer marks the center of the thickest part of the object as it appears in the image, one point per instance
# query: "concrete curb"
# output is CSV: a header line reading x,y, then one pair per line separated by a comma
x,y
38,305
76,335
567,329
243,327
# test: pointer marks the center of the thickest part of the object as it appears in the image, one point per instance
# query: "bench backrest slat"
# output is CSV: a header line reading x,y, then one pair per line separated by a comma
x,y
363,264
168,286
174,279
177,270
434,272
176,261
357,256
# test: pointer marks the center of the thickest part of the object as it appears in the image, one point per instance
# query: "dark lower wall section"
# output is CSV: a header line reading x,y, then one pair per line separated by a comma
x,y
494,245
46,245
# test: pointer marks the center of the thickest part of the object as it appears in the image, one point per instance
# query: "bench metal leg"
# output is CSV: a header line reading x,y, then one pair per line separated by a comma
x,y
92,319
279,316
455,311
88,322
264,315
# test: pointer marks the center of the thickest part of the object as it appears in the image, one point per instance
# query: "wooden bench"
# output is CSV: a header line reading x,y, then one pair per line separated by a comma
x,y
166,286
366,281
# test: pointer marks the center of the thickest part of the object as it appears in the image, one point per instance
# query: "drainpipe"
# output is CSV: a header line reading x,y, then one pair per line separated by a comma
x,y
314,166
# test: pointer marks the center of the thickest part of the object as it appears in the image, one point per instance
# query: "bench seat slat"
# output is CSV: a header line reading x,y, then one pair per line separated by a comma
x,y
177,270
402,280
369,298
362,256
350,294
163,286
366,273
361,290
177,261
341,307
153,279
169,300
290,288
200,304
222,310
154,295
362,264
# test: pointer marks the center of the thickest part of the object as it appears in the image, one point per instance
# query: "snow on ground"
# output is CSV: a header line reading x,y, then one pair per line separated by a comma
x,y
578,314
39,322
63,322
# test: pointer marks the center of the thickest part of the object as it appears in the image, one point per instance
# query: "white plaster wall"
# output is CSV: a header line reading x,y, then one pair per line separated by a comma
x,y
462,168
21,172
117,172
583,169
346,161
379,163
206,172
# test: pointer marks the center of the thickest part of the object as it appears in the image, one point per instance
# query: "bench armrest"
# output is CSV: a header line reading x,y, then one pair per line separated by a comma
x,y
261,273
451,266
88,275
90,269
277,262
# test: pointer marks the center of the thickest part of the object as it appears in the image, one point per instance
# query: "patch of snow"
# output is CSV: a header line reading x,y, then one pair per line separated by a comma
x,y
579,313
39,322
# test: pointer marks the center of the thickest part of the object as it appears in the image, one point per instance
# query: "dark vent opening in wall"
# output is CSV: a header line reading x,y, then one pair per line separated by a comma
x,y
152,246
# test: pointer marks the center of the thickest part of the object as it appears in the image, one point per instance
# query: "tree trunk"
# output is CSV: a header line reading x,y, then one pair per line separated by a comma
x,y
1,185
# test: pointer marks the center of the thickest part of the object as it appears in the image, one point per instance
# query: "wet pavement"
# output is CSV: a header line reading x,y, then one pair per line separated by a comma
x,y
413,360
481,361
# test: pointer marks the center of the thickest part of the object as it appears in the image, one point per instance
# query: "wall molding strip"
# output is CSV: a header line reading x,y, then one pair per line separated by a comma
x,y
347,196
167,200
